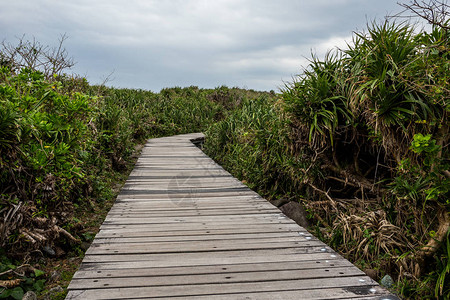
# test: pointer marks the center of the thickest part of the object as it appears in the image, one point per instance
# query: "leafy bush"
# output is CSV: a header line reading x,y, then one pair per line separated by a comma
x,y
45,131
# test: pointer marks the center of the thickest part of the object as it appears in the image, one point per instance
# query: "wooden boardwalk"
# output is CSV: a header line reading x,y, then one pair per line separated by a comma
x,y
184,228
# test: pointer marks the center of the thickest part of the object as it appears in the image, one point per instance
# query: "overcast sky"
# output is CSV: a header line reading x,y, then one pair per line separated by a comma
x,y
152,44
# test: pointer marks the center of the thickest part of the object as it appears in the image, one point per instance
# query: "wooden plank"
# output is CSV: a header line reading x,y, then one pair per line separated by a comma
x,y
193,219
206,246
265,216
183,185
197,226
148,279
150,205
136,271
331,293
170,214
174,173
180,187
199,201
208,258
217,243
203,181
167,206
190,233
198,261
204,200
148,208
139,237
170,211
180,224
191,180
188,194
318,284
156,200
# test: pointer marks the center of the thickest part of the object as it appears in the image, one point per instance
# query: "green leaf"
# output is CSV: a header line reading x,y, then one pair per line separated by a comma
x,y
39,285
38,273
5,294
17,293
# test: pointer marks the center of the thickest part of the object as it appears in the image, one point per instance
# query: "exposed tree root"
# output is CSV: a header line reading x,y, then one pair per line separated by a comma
x,y
10,283
332,202
16,270
349,178
435,242
66,234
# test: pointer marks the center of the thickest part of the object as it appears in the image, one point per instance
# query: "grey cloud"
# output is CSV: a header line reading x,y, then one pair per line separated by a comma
x,y
153,44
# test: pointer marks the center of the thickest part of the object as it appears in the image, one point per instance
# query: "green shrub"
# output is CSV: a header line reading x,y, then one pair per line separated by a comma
x,y
45,131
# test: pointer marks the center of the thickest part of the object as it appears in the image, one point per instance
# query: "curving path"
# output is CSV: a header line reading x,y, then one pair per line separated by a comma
x,y
184,228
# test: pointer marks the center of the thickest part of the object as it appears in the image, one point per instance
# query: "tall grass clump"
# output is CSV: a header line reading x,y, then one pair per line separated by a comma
x,y
251,142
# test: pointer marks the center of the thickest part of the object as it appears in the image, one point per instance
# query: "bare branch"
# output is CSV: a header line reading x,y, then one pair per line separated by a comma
x,y
435,12
108,78
32,54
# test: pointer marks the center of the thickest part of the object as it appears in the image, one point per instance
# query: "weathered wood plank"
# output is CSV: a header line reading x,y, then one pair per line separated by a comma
x,y
208,258
194,279
204,200
206,246
168,209
200,261
192,219
195,234
137,238
264,217
331,293
349,285
180,227
174,214
136,271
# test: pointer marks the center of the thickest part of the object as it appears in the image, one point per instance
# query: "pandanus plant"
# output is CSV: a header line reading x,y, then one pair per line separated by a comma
x,y
314,99
388,105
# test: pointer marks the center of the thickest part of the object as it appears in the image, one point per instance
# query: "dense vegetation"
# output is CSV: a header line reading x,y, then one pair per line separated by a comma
x,y
359,139
64,145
